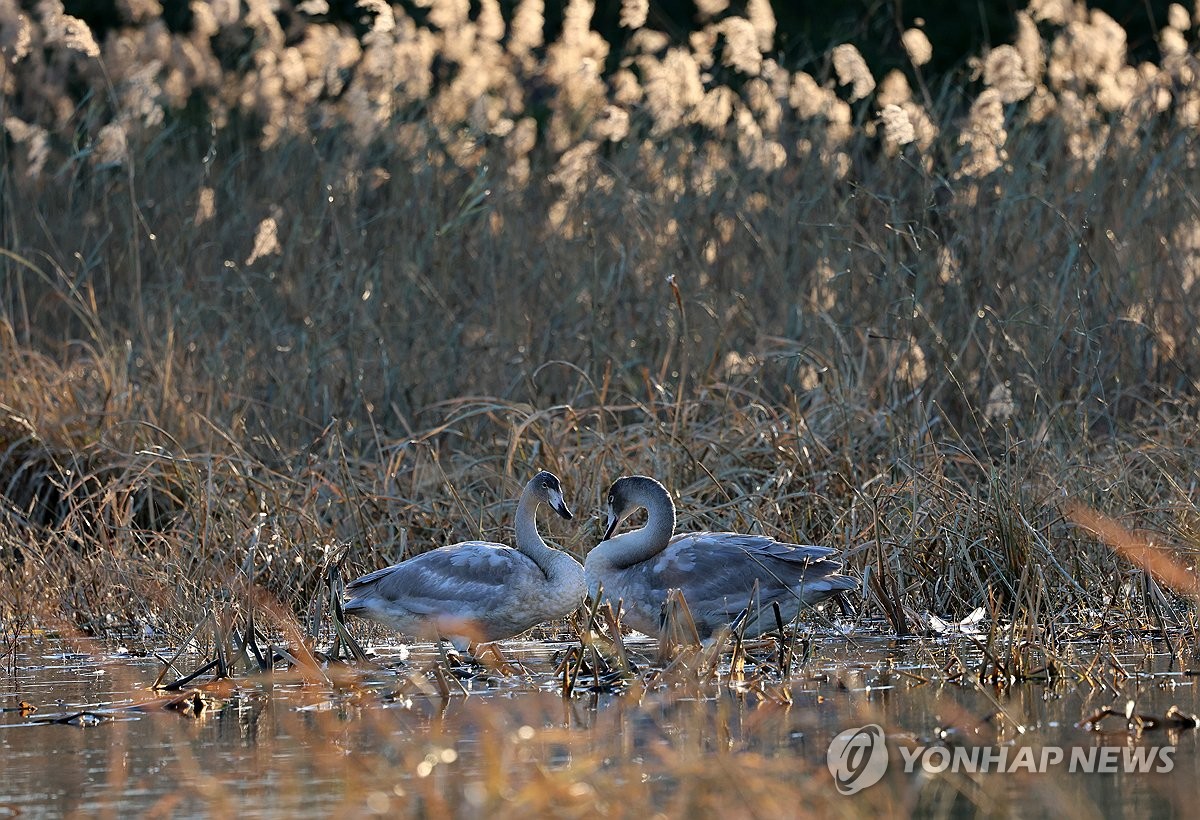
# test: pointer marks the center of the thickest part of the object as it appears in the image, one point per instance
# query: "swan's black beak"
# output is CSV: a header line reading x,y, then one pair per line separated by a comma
x,y
613,520
561,508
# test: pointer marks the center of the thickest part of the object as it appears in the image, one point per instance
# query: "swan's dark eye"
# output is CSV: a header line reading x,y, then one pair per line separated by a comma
x,y
612,499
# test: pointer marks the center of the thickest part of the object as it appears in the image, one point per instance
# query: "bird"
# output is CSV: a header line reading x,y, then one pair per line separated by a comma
x,y
477,592
716,571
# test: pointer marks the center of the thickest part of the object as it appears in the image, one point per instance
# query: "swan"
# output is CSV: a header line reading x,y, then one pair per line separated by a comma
x,y
478,591
715,571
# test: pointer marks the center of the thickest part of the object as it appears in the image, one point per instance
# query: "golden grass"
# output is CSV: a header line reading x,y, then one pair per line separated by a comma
x,y
365,282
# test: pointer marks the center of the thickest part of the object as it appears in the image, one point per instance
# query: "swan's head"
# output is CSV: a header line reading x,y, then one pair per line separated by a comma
x,y
626,496
548,488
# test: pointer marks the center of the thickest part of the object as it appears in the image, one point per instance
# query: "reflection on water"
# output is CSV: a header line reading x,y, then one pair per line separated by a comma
x,y
515,746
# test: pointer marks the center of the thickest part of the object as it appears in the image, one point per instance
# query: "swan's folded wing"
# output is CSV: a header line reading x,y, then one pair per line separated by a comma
x,y
712,567
464,580
760,545
718,548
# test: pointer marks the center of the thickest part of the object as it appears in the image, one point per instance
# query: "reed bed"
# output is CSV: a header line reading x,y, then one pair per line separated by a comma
x,y
362,275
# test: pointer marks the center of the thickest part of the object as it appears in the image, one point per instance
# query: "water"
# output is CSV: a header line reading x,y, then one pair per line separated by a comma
x,y
378,743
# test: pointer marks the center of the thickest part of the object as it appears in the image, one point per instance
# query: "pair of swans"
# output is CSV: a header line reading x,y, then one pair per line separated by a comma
x,y
479,592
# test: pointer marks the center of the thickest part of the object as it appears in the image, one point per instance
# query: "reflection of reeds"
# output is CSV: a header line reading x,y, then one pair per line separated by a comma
x,y
683,742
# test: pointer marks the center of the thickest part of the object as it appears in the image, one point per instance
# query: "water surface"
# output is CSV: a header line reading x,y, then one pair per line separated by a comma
x,y
382,740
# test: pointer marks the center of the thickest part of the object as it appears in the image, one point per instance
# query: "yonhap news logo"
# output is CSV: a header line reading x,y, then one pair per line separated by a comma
x,y
858,758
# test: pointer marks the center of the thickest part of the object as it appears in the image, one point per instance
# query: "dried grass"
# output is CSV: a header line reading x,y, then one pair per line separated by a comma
x,y
367,282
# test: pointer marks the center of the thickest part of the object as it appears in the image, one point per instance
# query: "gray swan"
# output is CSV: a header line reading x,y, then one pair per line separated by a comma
x,y
478,591
715,571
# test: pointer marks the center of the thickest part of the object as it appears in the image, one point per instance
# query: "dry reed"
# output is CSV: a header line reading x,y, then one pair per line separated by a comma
x,y
364,280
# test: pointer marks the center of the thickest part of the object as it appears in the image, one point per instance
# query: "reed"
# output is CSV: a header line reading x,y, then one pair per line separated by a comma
x,y
366,301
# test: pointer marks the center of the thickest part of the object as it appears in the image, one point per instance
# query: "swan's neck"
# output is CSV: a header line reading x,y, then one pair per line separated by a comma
x,y
529,540
631,548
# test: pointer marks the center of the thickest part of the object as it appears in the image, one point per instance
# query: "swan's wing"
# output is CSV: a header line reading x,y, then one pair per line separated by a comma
x,y
720,569
754,545
718,572
465,580
715,550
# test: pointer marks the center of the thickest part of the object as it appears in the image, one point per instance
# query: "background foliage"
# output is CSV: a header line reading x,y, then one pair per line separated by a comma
x,y
364,268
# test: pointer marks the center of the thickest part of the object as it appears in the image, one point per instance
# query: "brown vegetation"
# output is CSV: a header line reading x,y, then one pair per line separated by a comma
x,y
367,281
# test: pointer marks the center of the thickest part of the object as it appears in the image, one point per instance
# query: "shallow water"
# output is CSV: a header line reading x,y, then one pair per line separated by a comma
x,y
376,743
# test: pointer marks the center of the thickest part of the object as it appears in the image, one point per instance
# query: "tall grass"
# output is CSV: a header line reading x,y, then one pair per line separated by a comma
x,y
366,278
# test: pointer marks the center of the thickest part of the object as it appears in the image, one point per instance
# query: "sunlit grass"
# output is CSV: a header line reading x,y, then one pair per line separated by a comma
x,y
365,283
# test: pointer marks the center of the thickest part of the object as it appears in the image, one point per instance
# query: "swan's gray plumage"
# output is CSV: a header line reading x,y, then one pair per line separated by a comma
x,y
715,571
478,591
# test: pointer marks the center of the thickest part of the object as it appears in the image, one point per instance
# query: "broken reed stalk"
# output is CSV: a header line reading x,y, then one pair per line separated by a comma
x,y
222,633
678,626
785,644
333,587
170,664
247,644
587,644
589,648
569,670
613,621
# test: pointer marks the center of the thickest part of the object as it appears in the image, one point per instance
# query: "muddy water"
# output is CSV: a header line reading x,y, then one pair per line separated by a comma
x,y
380,744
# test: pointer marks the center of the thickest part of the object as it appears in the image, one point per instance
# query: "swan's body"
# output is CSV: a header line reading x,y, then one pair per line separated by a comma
x,y
715,571
477,591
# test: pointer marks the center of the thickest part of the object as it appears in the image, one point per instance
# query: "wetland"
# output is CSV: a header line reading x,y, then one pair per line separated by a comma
x,y
377,738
